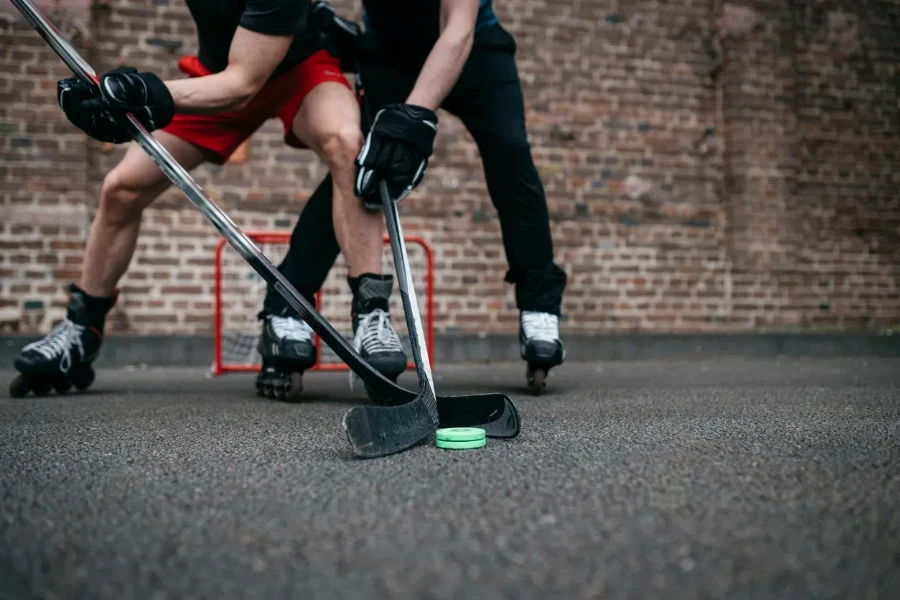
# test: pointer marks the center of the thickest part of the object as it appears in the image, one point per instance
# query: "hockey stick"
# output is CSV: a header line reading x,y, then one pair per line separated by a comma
x,y
379,430
368,427
498,413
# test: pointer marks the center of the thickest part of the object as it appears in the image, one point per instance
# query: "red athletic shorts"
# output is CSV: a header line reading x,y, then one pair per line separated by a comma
x,y
222,133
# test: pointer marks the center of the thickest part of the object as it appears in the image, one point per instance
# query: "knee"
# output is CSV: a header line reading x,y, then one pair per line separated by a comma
x,y
120,200
340,145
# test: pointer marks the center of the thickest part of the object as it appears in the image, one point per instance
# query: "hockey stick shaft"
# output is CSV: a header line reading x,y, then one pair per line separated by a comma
x,y
408,296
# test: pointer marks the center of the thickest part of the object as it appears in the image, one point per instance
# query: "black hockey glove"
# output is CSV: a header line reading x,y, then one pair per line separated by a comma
x,y
99,113
397,149
88,112
142,94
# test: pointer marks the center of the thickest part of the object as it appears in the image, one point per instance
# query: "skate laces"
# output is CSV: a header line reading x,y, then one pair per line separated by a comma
x,y
379,337
375,334
540,326
291,329
59,343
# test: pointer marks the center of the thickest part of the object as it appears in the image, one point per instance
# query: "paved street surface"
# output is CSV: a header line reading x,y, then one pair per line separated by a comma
x,y
738,479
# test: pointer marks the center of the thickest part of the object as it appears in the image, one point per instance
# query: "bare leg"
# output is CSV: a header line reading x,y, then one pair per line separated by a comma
x,y
328,122
127,190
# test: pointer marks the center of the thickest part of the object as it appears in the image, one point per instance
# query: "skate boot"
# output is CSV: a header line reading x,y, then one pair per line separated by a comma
x,y
374,337
540,347
62,360
287,350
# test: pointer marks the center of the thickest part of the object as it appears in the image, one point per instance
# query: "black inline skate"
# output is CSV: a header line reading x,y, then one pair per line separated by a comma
x,y
374,336
540,347
287,350
62,360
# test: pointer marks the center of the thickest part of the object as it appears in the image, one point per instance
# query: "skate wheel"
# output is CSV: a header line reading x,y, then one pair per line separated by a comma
x,y
62,386
295,390
18,387
536,381
82,380
40,388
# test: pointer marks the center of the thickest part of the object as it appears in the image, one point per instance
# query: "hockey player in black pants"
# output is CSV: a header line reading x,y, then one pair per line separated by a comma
x,y
414,57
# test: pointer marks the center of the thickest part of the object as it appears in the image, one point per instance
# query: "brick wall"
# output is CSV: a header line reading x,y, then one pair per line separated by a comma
x,y
709,166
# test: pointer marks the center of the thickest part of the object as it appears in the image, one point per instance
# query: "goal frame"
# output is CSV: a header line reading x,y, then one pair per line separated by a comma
x,y
284,237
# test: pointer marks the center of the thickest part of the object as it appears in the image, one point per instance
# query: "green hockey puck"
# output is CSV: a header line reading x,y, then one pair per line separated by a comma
x,y
460,434
462,445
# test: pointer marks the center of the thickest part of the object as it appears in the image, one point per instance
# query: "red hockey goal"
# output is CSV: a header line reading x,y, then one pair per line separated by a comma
x,y
239,293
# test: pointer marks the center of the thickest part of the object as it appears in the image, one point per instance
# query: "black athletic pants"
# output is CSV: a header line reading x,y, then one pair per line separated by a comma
x,y
488,99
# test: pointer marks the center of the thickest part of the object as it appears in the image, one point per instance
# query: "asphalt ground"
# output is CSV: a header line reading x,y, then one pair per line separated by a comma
x,y
730,478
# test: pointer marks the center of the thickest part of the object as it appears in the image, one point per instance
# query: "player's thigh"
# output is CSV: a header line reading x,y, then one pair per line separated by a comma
x,y
329,111
139,178
488,99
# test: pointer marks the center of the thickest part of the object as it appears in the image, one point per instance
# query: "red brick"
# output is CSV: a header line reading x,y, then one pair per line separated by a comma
x,y
153,319
66,274
182,289
66,244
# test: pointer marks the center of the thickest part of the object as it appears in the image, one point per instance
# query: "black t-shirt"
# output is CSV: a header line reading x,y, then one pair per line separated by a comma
x,y
416,24
217,20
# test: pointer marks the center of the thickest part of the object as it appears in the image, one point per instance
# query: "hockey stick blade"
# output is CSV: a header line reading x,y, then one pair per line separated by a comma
x,y
376,431
501,418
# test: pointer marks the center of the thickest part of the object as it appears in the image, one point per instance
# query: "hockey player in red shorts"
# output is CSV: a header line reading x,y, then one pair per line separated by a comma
x,y
258,59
